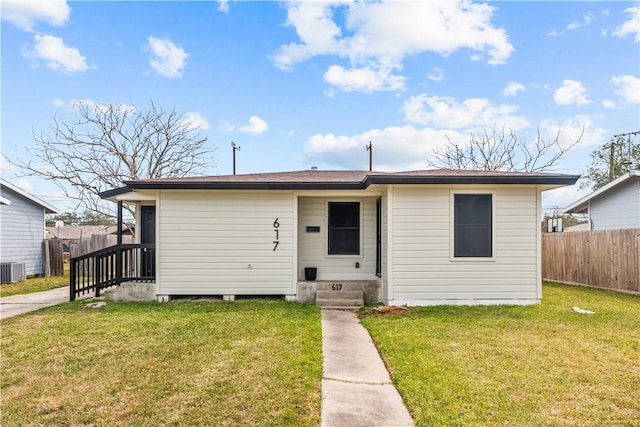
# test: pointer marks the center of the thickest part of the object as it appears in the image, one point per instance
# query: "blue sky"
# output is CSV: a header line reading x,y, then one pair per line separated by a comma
x,y
301,84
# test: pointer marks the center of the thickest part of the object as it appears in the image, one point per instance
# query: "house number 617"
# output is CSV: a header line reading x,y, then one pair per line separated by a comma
x,y
276,224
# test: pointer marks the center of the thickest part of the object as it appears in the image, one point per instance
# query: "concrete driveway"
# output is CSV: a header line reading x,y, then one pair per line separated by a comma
x,y
19,304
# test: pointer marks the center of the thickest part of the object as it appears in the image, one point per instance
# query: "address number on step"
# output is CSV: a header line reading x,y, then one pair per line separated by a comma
x,y
336,287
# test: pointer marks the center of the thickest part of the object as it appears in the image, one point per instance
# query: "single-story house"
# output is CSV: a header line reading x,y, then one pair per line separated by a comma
x,y
22,229
406,238
613,206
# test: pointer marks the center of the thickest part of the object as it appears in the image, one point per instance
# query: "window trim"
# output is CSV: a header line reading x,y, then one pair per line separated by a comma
x,y
360,231
452,228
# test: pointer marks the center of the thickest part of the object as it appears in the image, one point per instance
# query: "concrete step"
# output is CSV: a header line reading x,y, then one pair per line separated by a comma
x,y
339,298
354,285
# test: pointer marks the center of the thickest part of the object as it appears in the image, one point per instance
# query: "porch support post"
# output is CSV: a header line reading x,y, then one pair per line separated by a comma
x,y
119,245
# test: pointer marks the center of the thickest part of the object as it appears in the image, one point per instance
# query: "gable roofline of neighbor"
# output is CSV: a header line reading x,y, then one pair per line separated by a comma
x,y
314,179
48,208
581,206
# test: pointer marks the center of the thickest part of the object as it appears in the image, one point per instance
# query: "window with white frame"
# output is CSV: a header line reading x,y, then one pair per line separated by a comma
x,y
343,228
473,225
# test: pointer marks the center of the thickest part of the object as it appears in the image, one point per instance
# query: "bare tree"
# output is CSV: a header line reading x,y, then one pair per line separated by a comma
x,y
102,146
503,150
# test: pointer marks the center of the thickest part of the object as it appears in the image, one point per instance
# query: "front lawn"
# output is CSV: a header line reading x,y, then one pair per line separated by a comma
x,y
536,365
179,363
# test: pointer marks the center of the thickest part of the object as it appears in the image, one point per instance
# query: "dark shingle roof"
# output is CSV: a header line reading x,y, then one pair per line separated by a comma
x,y
342,180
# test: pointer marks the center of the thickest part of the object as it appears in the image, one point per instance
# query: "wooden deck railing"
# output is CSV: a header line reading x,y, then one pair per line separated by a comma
x,y
95,271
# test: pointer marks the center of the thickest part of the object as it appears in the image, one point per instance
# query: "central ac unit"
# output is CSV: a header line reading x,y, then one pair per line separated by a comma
x,y
12,272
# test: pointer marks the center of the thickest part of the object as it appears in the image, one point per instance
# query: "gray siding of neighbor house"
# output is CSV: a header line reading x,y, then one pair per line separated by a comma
x,y
618,207
21,232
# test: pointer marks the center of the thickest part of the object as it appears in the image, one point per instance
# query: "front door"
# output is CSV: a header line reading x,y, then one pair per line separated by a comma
x,y
148,237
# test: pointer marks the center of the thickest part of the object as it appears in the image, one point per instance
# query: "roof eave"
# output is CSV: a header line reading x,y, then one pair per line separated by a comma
x,y
111,194
580,205
133,185
47,207
552,180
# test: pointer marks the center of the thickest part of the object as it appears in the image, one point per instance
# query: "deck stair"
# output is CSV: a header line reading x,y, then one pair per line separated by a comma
x,y
339,295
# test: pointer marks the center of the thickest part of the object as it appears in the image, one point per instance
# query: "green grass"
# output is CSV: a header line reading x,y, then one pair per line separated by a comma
x,y
506,365
179,363
35,284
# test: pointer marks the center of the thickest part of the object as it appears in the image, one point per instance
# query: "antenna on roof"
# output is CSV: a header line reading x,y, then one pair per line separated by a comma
x,y
370,150
235,148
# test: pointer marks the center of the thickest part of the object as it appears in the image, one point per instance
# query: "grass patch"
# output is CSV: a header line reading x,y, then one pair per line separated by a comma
x,y
506,365
182,363
35,284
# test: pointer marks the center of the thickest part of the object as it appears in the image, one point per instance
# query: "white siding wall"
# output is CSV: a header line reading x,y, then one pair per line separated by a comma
x,y
21,232
423,271
618,207
215,243
313,246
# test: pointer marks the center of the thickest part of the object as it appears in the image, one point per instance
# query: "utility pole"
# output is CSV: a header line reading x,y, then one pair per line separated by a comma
x,y
620,138
370,150
234,148
612,148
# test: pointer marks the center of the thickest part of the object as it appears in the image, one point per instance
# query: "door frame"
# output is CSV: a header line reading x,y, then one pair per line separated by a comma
x,y
148,236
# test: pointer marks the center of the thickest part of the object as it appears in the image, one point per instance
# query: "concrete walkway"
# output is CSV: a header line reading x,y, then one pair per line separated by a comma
x,y
356,387
19,304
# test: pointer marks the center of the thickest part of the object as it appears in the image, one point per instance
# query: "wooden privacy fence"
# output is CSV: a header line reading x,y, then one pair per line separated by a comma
x,y
607,258
96,243
52,258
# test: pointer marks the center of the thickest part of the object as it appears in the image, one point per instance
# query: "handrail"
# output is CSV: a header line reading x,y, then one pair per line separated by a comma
x,y
111,266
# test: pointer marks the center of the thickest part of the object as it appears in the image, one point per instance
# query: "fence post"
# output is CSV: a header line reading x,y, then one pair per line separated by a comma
x,y
119,246
96,275
72,280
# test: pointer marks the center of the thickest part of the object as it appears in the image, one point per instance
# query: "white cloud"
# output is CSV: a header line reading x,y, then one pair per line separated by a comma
x,y
256,126
570,130
607,103
74,104
365,80
436,74
57,56
24,185
571,93
394,148
630,27
628,87
513,88
5,166
376,37
223,6
573,25
166,59
446,112
577,24
194,120
26,14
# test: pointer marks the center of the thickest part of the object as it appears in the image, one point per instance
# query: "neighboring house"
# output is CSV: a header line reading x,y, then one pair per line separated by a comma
x,y
414,238
82,232
613,206
22,227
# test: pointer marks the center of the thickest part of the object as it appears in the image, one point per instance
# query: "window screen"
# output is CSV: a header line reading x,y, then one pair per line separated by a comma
x,y
472,225
344,228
